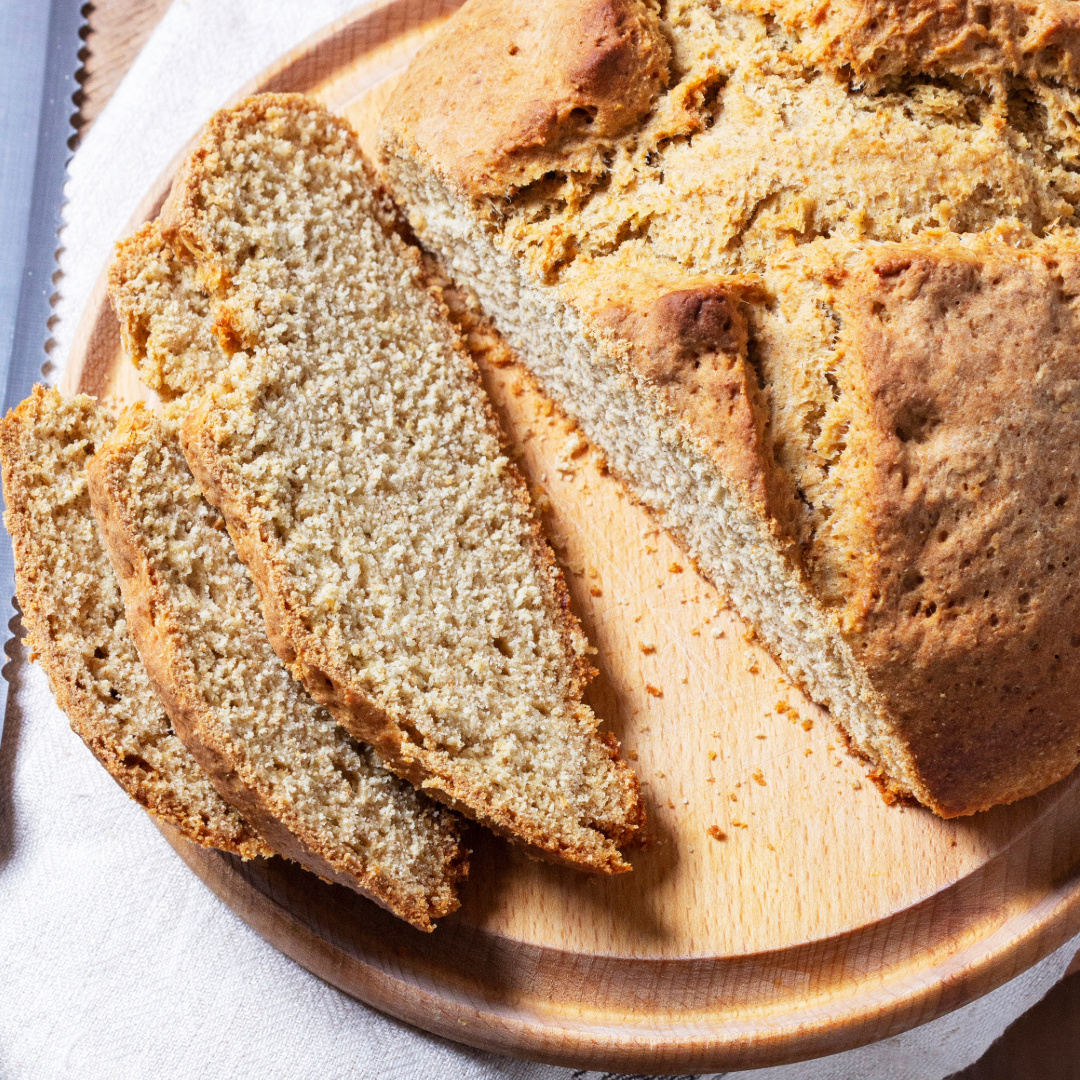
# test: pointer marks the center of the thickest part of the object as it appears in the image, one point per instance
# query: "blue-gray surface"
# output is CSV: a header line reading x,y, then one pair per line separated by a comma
x,y
39,56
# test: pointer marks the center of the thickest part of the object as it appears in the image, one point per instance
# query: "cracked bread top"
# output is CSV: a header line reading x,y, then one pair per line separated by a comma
x,y
565,74
779,172
742,173
984,40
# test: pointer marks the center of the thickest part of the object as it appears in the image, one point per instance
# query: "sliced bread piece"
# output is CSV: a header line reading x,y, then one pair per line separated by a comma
x,y
314,793
357,463
76,628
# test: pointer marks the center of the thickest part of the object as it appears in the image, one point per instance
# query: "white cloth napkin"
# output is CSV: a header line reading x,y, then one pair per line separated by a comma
x,y
115,960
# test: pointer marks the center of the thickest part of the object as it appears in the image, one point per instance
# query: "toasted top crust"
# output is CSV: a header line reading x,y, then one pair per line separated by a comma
x,y
567,76
986,40
691,344
685,339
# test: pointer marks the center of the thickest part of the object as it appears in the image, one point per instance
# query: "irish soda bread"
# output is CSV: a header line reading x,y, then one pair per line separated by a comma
x,y
317,796
806,274
74,617
357,464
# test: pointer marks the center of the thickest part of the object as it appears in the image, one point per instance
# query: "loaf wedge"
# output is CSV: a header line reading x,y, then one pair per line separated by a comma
x,y
806,274
357,463
74,617
316,795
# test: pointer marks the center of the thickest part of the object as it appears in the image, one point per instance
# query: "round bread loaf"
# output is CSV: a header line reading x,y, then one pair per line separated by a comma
x,y
812,288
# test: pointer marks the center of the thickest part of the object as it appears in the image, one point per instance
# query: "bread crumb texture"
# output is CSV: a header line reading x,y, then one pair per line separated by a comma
x,y
323,799
166,320
352,451
816,300
76,628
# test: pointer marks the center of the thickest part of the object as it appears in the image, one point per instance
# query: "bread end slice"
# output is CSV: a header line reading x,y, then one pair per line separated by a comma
x,y
76,628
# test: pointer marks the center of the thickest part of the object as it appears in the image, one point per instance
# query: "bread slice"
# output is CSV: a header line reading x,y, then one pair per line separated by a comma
x,y
357,463
76,630
817,308
194,614
987,43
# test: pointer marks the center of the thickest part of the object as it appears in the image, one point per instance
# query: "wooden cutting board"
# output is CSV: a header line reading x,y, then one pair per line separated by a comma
x,y
781,911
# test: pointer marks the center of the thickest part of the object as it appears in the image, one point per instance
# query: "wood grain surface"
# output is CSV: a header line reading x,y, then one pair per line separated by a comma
x,y
781,909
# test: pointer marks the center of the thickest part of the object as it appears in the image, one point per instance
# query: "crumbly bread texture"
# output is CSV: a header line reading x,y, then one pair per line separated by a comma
x,y
166,321
315,794
818,307
357,463
76,629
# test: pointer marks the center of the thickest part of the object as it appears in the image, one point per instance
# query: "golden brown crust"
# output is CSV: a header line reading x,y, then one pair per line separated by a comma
x,y
962,602
686,341
68,677
163,646
568,76
987,40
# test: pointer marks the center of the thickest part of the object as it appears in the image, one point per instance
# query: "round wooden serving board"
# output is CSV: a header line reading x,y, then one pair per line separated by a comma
x,y
781,911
